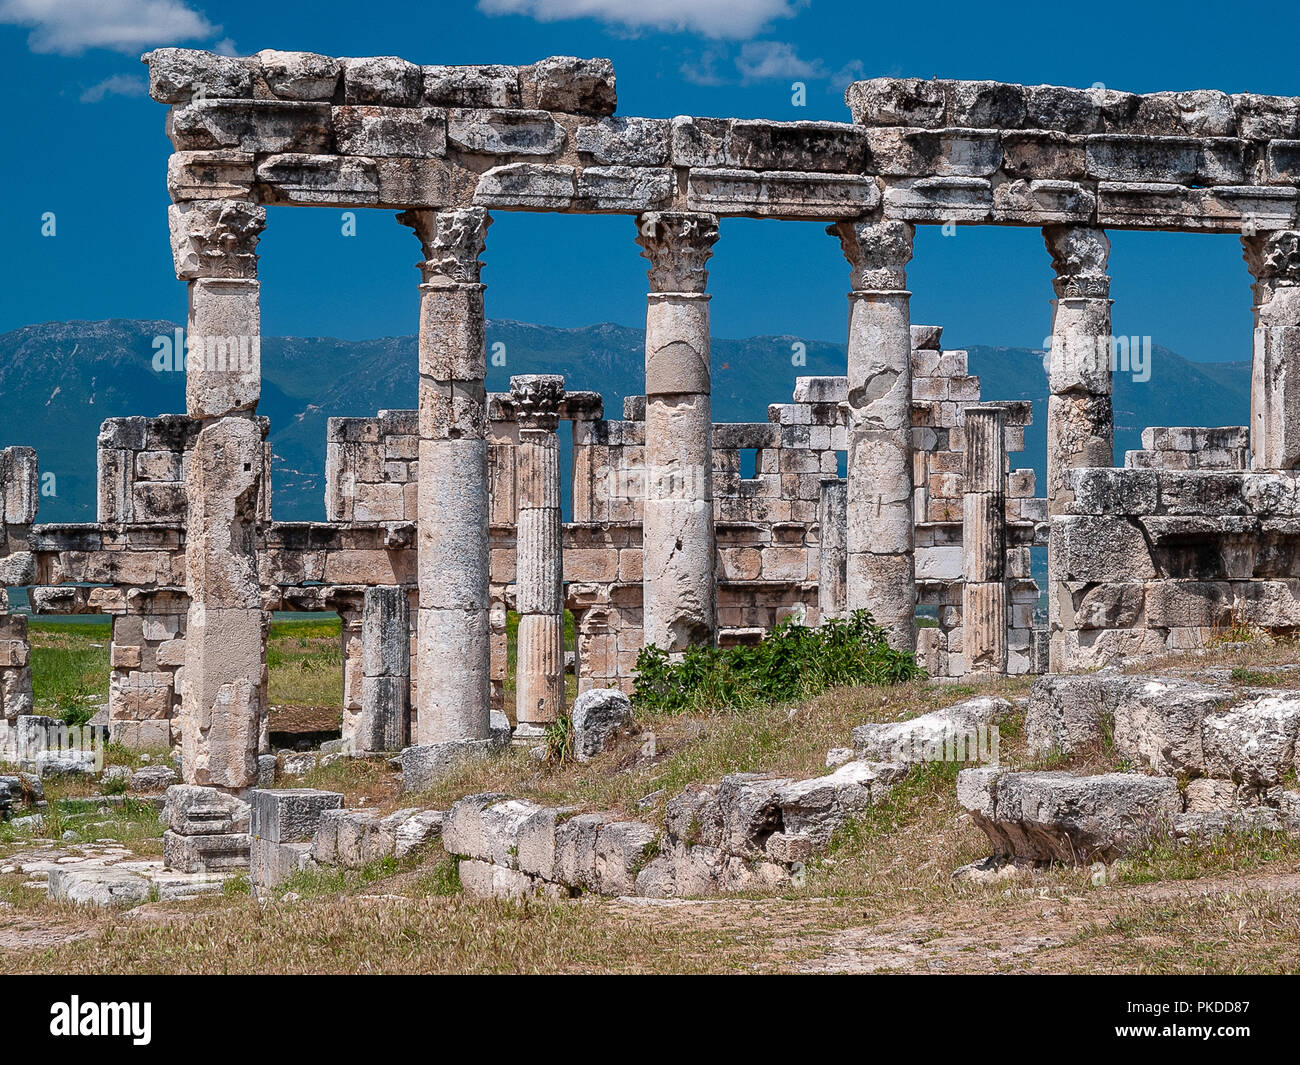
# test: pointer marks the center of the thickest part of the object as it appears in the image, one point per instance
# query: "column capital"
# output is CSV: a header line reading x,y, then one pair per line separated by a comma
x,y
678,245
1273,257
452,241
1079,257
537,398
878,251
215,238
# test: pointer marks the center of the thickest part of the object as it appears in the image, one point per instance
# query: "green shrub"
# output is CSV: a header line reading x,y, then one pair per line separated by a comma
x,y
792,662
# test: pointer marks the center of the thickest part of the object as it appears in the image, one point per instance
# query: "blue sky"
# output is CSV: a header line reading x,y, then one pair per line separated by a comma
x,y
86,143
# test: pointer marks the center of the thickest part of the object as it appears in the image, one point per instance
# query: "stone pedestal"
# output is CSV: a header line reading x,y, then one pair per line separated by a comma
x,y
678,574
223,716
539,562
386,670
833,556
880,575
984,541
1274,261
1080,422
453,656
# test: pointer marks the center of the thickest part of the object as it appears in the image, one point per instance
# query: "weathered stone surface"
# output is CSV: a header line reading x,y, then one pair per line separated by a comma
x,y
193,811
290,815
423,764
199,854
599,714
382,80
1055,816
300,75
104,886
580,86
929,736
177,74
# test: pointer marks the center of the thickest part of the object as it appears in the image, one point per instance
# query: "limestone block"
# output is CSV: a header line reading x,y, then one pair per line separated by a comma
x,y
177,74
927,736
370,130
624,188
598,715
1090,548
261,126
916,102
289,815
622,849
223,348
633,142
579,86
527,186
780,193
382,80
322,180
199,854
575,850
223,173
472,86
517,132
423,764
270,864
1058,816
416,831
1253,743
104,886
300,75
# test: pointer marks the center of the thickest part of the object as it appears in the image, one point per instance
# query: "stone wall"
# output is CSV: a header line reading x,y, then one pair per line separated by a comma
x,y
1191,448
1156,560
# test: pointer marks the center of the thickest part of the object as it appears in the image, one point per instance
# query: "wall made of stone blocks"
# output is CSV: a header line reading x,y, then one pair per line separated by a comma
x,y
1191,448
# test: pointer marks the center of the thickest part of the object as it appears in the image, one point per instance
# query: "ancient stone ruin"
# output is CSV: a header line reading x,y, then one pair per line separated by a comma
x,y
441,519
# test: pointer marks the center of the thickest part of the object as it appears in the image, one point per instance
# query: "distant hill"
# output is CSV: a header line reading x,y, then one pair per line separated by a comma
x,y
60,380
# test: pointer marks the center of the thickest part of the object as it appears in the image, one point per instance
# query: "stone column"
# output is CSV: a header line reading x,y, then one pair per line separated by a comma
x,y
1080,421
881,572
386,670
678,579
1080,424
1274,261
214,244
539,561
832,560
984,541
453,657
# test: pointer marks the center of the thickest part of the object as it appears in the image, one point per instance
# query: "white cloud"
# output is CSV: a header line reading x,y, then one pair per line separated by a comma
x,y
116,85
69,27
731,19
775,60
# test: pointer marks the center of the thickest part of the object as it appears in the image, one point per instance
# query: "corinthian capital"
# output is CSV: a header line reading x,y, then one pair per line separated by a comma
x,y
878,251
1079,256
536,398
1273,256
678,245
452,241
215,238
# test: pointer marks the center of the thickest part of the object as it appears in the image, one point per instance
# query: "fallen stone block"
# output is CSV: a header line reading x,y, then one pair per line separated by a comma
x,y
193,810
484,880
416,831
101,886
272,863
1056,816
152,778
599,714
953,733
423,765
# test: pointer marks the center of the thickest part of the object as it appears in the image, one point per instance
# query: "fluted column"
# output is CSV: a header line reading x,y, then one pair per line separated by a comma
x,y
223,709
1274,261
539,560
678,553
453,640
881,572
832,554
984,541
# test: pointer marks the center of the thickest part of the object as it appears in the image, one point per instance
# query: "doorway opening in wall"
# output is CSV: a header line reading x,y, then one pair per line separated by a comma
x,y
748,462
304,664
512,663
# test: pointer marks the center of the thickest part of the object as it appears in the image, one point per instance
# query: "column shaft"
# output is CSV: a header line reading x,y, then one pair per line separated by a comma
x,y
539,561
984,547
386,670
679,551
1274,261
224,695
832,559
453,659
881,572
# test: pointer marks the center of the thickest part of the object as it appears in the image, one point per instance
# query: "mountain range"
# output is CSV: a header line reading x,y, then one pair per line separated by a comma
x,y
60,380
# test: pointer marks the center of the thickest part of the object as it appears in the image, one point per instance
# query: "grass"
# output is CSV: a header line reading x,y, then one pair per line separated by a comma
x,y
304,660
69,668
